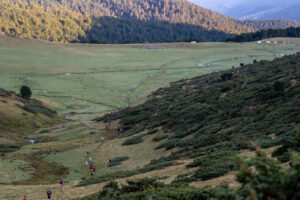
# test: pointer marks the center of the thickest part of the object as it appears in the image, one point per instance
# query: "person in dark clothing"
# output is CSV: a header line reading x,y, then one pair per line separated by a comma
x,y
61,182
49,193
92,172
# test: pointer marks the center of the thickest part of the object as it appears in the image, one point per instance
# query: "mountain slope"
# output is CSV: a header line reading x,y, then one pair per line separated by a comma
x,y
70,20
175,11
213,117
255,9
283,13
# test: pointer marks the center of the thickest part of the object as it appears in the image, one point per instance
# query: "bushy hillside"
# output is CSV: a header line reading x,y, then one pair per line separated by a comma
x,y
268,181
212,117
70,20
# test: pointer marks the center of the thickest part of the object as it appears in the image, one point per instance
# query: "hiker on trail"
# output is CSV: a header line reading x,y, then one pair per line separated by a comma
x,y
102,139
112,114
90,159
87,151
86,164
116,134
61,182
24,197
92,172
122,131
94,168
91,166
49,193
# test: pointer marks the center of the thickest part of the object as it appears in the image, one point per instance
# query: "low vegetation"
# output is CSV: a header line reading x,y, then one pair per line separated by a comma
x,y
268,181
117,161
134,140
222,113
160,137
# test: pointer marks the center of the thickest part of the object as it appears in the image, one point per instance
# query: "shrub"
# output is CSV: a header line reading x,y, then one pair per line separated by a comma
x,y
160,137
152,131
169,144
120,159
136,130
226,76
278,86
8,148
25,91
112,164
134,140
39,109
117,161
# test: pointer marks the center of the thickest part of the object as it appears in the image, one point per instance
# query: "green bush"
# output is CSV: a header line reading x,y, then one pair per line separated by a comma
x,y
117,161
136,130
39,109
152,131
169,144
8,148
134,140
160,137
25,92
279,86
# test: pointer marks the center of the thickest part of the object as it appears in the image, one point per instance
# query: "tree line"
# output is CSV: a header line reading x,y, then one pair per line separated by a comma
x,y
263,34
120,31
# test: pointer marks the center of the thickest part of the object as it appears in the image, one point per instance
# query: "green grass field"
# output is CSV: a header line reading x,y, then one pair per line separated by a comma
x,y
96,78
89,80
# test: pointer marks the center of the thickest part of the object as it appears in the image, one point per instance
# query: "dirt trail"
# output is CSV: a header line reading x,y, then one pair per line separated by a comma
x,y
70,191
38,192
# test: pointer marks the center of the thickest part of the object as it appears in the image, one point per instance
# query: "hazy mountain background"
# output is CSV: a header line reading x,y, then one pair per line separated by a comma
x,y
256,9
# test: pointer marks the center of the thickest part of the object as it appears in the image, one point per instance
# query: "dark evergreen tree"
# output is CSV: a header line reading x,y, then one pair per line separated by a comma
x,y
25,91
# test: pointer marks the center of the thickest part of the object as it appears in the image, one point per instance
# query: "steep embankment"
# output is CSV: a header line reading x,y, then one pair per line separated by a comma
x,y
211,118
19,117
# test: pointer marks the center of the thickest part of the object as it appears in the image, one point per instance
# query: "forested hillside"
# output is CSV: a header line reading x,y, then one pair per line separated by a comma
x,y
70,20
176,11
123,30
21,19
270,33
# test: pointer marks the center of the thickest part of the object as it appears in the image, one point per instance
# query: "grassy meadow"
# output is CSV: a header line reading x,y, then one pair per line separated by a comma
x,y
93,79
82,81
